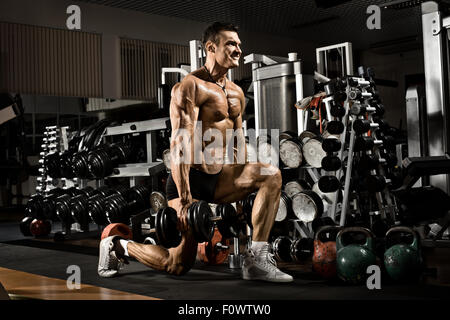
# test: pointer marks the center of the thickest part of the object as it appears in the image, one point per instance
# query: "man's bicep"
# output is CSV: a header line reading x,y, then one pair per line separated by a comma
x,y
183,105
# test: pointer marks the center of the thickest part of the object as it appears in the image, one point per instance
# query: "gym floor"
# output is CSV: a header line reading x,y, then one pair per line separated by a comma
x,y
37,269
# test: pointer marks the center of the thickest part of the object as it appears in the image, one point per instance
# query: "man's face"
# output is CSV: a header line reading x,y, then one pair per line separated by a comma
x,y
228,50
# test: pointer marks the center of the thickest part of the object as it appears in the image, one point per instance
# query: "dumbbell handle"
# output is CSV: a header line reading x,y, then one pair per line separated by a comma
x,y
219,246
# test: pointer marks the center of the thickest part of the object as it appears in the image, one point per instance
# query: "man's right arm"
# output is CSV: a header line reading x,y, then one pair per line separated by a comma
x,y
183,115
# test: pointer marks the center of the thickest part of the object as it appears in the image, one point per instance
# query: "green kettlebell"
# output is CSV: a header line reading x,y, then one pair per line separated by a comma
x,y
403,262
353,259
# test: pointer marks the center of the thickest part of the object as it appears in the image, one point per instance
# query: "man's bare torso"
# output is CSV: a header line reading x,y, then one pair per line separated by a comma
x,y
215,110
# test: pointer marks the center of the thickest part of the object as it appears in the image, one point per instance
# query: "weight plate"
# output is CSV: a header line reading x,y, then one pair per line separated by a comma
x,y
329,197
281,249
283,207
305,136
329,184
307,205
287,135
331,144
157,201
302,249
291,153
293,187
228,226
313,152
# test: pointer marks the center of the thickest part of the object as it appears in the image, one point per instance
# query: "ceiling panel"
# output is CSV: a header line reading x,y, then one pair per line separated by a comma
x,y
291,18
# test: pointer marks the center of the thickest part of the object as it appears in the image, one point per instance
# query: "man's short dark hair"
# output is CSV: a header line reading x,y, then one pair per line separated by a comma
x,y
213,30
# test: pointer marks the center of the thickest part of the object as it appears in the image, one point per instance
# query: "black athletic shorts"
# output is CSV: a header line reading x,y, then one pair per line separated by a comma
x,y
203,185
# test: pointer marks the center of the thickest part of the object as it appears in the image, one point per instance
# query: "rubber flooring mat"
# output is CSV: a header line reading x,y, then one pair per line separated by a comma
x,y
201,283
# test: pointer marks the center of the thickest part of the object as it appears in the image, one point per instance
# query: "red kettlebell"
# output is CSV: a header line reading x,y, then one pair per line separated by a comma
x,y
324,258
117,229
39,228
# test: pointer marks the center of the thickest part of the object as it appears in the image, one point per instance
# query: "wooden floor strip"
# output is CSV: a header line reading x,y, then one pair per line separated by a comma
x,y
24,284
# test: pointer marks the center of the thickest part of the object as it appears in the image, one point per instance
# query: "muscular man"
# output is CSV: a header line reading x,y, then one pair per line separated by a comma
x,y
204,100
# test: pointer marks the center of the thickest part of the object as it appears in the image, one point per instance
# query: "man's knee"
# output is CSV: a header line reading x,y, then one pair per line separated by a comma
x,y
273,177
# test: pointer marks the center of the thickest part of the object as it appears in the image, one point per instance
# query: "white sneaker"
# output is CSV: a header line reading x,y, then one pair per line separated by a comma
x,y
262,266
108,263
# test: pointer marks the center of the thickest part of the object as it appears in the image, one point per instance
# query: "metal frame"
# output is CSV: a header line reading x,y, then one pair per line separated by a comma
x,y
436,83
348,53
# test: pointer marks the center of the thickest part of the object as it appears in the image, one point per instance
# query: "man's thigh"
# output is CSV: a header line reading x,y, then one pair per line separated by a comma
x,y
237,181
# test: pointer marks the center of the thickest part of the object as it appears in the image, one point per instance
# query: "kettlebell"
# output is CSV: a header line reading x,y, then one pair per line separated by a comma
x,y
324,258
353,259
403,262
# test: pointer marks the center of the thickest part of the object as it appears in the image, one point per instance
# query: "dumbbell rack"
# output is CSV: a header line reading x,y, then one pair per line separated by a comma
x,y
133,170
56,140
151,167
386,204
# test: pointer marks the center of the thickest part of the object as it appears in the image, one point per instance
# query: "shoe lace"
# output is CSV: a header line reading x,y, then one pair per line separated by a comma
x,y
270,260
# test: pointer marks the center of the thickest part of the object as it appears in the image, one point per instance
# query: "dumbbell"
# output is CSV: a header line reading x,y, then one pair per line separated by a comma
x,y
42,207
158,201
295,186
313,152
95,204
63,205
80,162
329,184
363,143
337,110
358,109
307,205
330,145
201,221
65,162
362,126
52,165
103,161
281,248
335,127
291,154
291,148
368,162
120,206
302,249
331,163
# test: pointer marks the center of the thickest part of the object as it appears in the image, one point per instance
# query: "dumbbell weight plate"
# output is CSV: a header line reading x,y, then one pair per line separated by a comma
x,y
166,228
228,226
328,197
281,249
157,201
295,186
201,215
335,127
329,184
331,144
302,249
313,152
331,163
283,207
305,136
247,208
291,154
307,205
